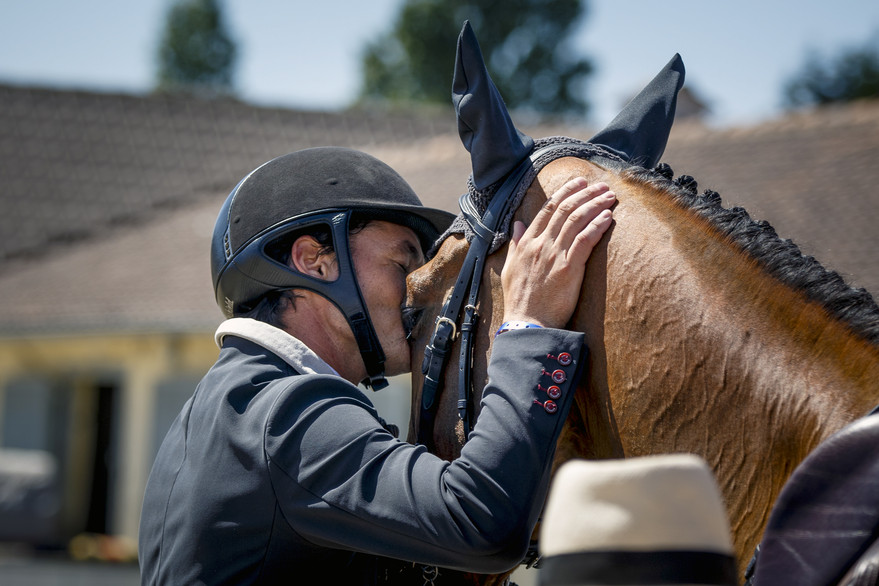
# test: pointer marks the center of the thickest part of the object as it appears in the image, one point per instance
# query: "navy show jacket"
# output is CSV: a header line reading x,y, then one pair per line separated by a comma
x,y
275,473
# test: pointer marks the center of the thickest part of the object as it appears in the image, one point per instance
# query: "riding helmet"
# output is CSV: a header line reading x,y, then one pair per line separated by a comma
x,y
323,185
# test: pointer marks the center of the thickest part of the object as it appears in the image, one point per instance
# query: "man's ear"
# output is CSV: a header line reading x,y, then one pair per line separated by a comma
x,y
308,256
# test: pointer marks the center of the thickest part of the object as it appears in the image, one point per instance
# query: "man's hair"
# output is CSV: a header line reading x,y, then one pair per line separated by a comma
x,y
274,304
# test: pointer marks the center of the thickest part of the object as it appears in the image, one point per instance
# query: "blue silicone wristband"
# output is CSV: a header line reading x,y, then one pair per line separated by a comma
x,y
514,325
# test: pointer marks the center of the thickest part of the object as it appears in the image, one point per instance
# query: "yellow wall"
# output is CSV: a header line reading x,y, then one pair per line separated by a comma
x,y
138,362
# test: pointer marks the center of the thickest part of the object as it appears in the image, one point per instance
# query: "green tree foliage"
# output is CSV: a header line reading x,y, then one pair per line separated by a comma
x,y
525,44
196,53
852,75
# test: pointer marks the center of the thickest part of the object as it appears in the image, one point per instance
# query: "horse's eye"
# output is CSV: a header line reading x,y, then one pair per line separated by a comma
x,y
411,315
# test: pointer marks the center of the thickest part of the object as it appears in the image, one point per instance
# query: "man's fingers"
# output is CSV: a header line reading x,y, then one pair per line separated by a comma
x,y
550,207
586,239
588,208
575,205
552,252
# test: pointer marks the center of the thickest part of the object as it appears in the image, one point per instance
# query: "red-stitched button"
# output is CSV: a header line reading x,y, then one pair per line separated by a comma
x,y
559,376
550,407
554,392
565,359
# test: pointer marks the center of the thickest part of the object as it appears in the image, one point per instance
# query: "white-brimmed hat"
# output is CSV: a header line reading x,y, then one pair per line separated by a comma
x,y
646,521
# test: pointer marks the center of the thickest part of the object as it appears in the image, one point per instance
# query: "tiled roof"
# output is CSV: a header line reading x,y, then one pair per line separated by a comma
x,y
83,162
108,201
813,175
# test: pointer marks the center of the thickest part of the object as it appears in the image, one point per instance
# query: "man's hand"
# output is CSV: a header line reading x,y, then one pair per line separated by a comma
x,y
546,261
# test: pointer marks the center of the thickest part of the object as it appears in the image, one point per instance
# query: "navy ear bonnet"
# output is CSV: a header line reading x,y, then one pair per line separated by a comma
x,y
637,136
640,131
484,125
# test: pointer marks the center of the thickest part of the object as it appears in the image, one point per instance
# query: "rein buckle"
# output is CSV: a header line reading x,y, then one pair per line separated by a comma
x,y
441,320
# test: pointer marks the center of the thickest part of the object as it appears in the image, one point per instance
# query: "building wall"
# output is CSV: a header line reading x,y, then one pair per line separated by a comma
x,y
100,406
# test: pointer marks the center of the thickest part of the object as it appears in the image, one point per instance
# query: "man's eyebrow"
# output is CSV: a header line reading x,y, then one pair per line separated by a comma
x,y
412,251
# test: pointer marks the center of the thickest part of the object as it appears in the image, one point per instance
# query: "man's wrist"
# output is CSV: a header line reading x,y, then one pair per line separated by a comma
x,y
515,325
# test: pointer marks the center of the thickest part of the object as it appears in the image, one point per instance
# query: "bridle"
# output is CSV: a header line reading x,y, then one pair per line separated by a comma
x,y
485,230
436,353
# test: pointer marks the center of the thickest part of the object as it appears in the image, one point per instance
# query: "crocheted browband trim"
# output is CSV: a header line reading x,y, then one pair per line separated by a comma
x,y
572,148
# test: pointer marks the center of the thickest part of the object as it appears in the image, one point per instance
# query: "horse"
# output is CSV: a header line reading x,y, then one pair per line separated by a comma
x,y
707,333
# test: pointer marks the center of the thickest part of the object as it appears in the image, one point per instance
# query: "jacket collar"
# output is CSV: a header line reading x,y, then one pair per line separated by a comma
x,y
276,341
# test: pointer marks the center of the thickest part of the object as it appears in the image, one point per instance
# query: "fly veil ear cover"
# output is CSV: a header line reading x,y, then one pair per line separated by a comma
x,y
495,145
640,131
638,134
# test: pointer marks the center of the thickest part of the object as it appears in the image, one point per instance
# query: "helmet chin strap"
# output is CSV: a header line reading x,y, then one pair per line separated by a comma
x,y
350,301
370,351
344,292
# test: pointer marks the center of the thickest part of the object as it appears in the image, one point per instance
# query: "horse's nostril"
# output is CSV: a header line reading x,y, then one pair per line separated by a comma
x,y
411,316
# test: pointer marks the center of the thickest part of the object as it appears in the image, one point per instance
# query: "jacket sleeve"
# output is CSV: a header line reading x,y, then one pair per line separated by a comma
x,y
344,482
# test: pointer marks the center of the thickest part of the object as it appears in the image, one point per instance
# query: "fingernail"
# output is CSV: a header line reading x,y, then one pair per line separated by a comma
x,y
609,195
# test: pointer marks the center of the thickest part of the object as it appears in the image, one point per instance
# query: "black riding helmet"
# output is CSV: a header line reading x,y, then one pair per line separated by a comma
x,y
324,185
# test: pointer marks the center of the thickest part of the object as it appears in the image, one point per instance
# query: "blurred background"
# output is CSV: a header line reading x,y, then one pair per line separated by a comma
x,y
123,126
740,56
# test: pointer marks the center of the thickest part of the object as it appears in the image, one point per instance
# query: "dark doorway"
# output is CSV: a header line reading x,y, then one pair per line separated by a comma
x,y
102,471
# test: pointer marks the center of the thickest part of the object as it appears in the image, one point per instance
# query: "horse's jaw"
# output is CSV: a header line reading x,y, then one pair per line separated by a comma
x,y
426,290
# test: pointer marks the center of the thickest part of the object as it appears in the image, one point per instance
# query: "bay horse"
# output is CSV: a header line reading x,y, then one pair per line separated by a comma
x,y
707,333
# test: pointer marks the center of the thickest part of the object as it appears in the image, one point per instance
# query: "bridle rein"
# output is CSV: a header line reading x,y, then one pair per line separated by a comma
x,y
436,353
485,229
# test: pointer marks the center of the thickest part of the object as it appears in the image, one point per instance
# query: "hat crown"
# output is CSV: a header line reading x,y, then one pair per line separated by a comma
x,y
311,180
651,503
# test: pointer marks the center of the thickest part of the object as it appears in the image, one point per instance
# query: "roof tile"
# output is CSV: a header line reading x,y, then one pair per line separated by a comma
x,y
109,200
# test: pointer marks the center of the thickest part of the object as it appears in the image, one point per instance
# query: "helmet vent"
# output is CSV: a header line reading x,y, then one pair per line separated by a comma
x,y
227,248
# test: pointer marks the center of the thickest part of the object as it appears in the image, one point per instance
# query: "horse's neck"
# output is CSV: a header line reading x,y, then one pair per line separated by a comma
x,y
699,350
701,315
669,304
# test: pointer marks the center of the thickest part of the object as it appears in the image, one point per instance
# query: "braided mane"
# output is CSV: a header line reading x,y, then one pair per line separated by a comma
x,y
780,257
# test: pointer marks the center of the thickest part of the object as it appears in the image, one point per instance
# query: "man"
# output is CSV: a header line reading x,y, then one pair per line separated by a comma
x,y
279,469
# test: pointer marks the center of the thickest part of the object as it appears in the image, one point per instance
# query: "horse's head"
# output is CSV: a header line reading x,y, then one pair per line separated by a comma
x,y
497,150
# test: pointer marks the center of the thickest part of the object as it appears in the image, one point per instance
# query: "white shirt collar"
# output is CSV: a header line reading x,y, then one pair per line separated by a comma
x,y
277,341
